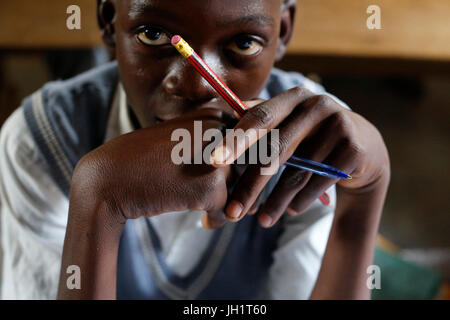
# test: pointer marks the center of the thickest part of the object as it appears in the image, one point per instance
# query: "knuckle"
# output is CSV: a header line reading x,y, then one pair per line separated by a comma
x,y
279,146
296,179
341,122
324,100
354,148
321,100
317,103
299,91
196,204
261,115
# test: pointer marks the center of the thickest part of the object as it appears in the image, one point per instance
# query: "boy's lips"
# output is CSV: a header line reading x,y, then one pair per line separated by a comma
x,y
187,106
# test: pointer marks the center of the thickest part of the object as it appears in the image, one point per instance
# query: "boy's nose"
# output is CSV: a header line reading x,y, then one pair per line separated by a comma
x,y
184,81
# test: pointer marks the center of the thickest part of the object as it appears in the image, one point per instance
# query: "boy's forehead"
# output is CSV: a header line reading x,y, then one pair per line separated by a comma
x,y
215,8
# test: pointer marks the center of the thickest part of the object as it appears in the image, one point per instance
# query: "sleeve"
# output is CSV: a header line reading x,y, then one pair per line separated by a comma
x,y
299,252
33,217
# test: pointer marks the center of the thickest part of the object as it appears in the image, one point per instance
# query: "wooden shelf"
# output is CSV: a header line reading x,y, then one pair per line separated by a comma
x,y
411,29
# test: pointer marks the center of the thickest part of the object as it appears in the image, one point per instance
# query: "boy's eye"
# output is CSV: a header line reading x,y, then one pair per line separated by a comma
x,y
153,36
246,46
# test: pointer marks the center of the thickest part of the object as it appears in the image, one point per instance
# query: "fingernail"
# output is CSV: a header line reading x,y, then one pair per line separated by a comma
x,y
265,220
234,209
220,155
292,212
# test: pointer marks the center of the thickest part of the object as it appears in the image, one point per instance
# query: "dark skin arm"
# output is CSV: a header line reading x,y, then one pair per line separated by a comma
x,y
127,178
351,243
92,243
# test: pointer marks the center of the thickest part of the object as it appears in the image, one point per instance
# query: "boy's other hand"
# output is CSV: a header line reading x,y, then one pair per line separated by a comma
x,y
134,175
314,127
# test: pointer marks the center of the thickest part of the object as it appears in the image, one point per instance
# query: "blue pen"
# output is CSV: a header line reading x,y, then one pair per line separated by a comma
x,y
317,168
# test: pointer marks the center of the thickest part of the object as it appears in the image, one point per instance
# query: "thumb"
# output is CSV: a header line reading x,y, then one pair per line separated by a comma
x,y
213,219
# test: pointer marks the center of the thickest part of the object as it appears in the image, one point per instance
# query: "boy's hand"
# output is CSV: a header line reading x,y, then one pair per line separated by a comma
x,y
314,127
134,175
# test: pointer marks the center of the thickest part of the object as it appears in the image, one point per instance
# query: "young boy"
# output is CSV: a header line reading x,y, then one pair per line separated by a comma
x,y
99,147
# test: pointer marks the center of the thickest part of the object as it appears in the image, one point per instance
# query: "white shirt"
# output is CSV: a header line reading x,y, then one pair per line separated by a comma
x,y
34,212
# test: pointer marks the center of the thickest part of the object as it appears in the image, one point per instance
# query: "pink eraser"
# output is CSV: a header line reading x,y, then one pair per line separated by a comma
x,y
175,40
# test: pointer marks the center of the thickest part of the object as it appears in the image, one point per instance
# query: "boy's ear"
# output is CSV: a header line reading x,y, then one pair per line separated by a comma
x,y
106,15
288,10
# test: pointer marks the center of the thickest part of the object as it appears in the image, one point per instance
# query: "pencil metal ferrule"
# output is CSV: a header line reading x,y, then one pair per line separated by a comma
x,y
183,48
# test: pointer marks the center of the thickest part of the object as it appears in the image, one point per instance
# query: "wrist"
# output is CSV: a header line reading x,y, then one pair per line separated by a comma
x,y
358,211
92,240
377,182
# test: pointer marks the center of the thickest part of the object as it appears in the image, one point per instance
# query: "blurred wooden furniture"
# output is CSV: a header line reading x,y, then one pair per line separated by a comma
x,y
31,24
412,29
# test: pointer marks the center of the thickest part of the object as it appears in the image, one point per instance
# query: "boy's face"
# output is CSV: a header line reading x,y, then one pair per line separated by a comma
x,y
237,38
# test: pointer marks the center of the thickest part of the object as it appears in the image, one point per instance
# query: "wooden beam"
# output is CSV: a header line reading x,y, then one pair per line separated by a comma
x,y
411,29
28,24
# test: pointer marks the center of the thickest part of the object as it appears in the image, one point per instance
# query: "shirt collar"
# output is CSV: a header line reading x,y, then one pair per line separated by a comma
x,y
119,121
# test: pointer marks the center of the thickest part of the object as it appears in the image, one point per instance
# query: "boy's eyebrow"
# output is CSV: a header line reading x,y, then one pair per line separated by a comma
x,y
138,8
249,19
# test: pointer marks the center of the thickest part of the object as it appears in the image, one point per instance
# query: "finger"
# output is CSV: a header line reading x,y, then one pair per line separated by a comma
x,y
291,133
246,192
346,158
255,123
292,181
213,220
253,103
255,206
250,104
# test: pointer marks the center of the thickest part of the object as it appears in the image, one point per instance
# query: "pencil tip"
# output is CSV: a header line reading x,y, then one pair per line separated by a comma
x,y
349,177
